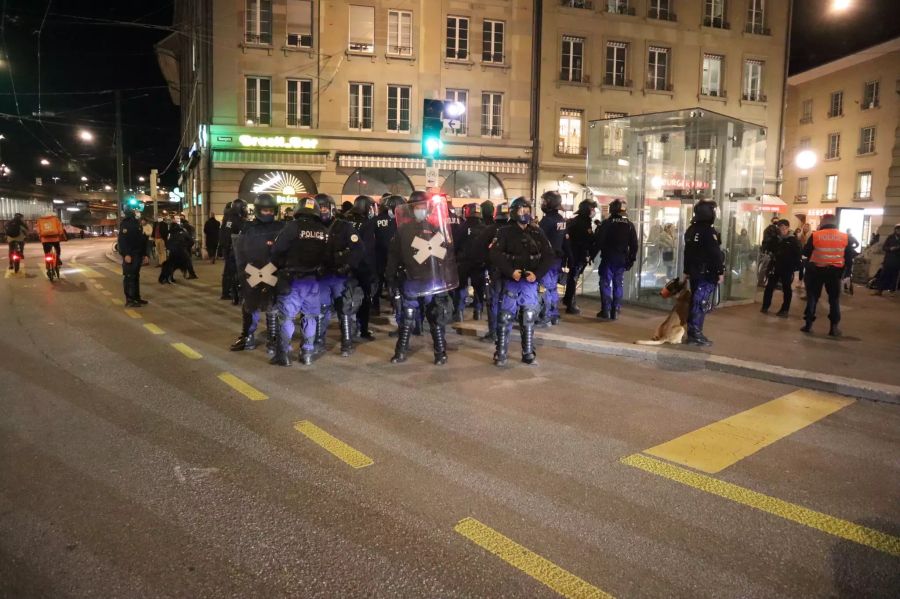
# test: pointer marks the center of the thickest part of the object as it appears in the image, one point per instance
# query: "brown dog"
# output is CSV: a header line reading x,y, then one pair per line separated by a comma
x,y
674,327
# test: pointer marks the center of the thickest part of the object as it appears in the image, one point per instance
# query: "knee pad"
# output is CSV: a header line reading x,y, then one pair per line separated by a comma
x,y
504,317
529,316
408,313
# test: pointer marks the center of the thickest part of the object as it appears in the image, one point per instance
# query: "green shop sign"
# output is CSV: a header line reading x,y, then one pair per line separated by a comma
x,y
225,138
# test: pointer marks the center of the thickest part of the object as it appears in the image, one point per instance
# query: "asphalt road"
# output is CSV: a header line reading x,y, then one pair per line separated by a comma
x,y
130,468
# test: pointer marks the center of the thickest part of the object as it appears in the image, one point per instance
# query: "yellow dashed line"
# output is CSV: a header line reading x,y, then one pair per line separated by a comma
x,y
117,301
539,568
771,505
333,445
187,351
132,313
241,387
154,329
106,293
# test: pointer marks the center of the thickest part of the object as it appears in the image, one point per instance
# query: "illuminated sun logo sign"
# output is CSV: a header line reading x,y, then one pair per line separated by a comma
x,y
284,186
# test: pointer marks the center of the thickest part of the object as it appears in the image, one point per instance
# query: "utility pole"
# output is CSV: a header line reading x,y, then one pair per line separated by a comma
x,y
120,175
154,189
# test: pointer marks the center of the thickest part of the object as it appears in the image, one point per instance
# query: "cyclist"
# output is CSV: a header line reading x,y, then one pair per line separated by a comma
x,y
16,229
51,232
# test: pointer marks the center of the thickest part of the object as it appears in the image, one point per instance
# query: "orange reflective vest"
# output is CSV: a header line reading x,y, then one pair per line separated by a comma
x,y
828,248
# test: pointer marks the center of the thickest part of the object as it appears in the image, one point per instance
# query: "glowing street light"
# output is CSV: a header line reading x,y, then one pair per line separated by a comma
x,y
83,178
841,5
45,162
141,179
85,135
805,159
107,187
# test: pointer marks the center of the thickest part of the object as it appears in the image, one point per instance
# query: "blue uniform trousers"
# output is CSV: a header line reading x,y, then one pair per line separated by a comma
x,y
303,299
702,290
550,282
612,279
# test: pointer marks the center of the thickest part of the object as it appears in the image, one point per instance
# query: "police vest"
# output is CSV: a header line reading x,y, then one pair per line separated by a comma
x,y
828,248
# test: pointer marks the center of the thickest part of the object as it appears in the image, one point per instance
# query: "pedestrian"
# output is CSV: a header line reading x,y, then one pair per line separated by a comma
x,y
362,217
299,253
288,214
160,234
211,237
704,265
667,248
422,268
825,250
616,240
785,261
231,225
16,230
522,255
252,253
132,247
554,227
471,271
81,234
147,230
890,268
579,249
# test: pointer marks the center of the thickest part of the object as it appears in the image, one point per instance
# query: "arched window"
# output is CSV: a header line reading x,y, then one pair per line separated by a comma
x,y
375,182
476,185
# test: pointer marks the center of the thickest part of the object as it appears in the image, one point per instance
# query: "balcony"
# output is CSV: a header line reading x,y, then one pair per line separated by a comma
x,y
806,120
757,29
801,199
716,22
862,196
570,150
621,8
616,81
663,14
586,4
829,197
754,97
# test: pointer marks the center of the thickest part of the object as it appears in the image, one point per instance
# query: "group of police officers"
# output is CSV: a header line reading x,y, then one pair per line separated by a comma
x,y
322,262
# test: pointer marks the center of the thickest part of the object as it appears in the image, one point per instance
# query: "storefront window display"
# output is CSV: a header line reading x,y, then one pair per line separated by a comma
x,y
375,182
473,186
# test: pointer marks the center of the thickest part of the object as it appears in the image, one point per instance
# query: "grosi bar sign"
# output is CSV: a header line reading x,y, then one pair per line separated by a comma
x,y
278,142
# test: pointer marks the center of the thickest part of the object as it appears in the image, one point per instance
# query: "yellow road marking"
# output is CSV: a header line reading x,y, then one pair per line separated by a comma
x,y
719,445
154,329
187,351
117,301
132,313
242,387
333,445
106,293
542,570
771,505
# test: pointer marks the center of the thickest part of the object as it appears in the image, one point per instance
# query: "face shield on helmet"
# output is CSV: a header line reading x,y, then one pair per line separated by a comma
x,y
240,207
551,200
265,207
326,207
364,206
520,211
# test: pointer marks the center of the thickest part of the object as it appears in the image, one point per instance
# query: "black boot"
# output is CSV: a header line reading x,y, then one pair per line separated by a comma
x,y
501,355
319,343
439,337
528,354
306,356
573,308
402,348
246,341
458,314
698,339
807,328
281,357
476,314
271,332
834,331
603,313
346,335
613,313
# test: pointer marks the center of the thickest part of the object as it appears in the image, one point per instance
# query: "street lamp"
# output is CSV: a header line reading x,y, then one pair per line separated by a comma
x,y
55,180
45,162
841,5
805,159
107,188
83,178
86,135
141,179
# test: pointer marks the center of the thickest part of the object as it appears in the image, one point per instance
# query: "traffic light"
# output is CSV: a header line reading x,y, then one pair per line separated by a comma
x,y
132,203
432,123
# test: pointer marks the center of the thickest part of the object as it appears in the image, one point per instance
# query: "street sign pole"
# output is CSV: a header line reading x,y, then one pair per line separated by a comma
x,y
431,176
154,176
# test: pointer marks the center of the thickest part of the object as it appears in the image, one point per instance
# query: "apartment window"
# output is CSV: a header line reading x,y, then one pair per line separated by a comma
x,y
806,111
753,81
570,122
834,146
492,41
299,102
572,58
658,69
836,107
714,14
619,7
712,75
802,189
616,64
661,9
299,24
361,106
867,140
398,108
756,17
805,143
258,22
461,96
614,141
831,188
578,3
491,114
458,38
870,95
258,101
863,186
362,29
399,32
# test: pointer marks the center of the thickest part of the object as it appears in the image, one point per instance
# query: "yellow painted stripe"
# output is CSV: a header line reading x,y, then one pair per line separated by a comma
x,y
771,505
333,445
154,329
187,351
721,444
542,570
132,313
241,387
117,301
106,293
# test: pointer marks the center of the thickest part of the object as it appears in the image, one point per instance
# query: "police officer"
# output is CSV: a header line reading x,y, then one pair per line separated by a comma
x,y
362,217
469,231
232,222
786,254
579,249
487,212
554,227
617,242
299,253
252,252
825,250
132,246
337,288
422,266
478,254
385,228
704,265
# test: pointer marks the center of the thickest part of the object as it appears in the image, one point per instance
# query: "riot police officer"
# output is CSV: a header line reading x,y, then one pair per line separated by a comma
x,y
232,222
132,247
385,228
422,266
469,231
252,252
362,217
704,264
617,243
299,253
478,254
487,212
579,249
522,255
554,227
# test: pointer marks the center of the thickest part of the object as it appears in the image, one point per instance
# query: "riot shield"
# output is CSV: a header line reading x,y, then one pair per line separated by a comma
x,y
237,246
426,246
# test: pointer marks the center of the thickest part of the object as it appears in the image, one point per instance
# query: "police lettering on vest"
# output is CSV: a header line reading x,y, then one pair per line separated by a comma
x,y
828,248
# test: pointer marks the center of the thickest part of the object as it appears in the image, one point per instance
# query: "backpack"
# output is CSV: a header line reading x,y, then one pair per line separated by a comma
x,y
12,228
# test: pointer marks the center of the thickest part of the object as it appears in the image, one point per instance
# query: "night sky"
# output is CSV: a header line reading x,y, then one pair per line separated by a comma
x,y
93,45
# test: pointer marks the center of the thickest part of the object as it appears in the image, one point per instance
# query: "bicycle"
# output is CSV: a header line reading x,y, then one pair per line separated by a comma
x,y
52,264
16,254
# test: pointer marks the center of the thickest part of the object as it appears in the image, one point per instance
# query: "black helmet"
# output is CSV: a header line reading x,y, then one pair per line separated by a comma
x,y
325,204
585,207
705,211
551,200
517,208
418,196
364,206
346,206
391,202
501,212
471,211
616,207
18,216
264,200
239,206
487,210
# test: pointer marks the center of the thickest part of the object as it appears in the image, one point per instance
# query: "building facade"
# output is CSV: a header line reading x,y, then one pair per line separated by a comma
x,y
846,113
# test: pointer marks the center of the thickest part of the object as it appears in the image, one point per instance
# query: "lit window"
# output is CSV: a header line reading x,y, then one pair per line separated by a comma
x,y
712,75
299,24
570,122
831,188
863,186
753,81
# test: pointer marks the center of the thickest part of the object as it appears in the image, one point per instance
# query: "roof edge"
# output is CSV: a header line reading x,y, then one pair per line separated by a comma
x,y
846,62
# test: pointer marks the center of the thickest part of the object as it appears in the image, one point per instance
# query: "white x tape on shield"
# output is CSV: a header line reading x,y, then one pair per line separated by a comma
x,y
426,248
266,275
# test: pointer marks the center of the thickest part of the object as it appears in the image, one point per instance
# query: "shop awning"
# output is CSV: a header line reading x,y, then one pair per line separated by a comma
x,y
772,201
512,167
255,159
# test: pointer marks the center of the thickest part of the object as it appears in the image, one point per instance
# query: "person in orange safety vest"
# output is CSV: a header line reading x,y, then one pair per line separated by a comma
x,y
825,250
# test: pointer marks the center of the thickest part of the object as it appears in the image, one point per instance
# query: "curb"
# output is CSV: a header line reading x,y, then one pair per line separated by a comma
x,y
662,356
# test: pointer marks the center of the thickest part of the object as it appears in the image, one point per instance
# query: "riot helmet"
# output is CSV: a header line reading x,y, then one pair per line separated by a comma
x,y
308,207
705,211
325,205
501,212
487,211
265,207
616,207
417,201
587,208
390,204
239,207
364,206
520,211
551,200
346,207
472,211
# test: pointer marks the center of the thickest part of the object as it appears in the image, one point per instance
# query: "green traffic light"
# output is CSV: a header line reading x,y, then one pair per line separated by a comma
x,y
433,146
